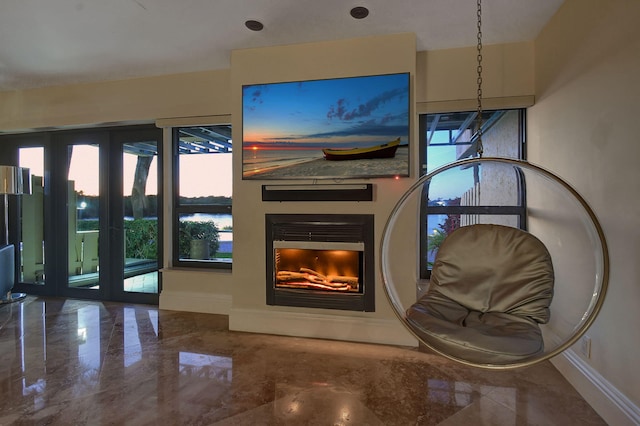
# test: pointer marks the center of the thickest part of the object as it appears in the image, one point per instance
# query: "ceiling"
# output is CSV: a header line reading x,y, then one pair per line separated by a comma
x,y
55,42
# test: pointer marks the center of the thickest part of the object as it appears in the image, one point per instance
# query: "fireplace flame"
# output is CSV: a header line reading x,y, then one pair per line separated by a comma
x,y
330,270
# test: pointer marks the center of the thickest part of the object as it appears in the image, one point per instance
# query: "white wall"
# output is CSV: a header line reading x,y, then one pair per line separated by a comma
x,y
124,101
309,61
584,126
509,78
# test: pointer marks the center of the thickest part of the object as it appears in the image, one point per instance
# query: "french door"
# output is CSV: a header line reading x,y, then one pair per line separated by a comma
x,y
90,228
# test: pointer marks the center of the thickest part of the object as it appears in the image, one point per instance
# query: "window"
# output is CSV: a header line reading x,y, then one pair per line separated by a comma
x,y
468,196
203,227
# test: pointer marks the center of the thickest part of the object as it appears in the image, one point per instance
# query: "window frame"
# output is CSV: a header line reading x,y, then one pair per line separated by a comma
x,y
520,210
181,209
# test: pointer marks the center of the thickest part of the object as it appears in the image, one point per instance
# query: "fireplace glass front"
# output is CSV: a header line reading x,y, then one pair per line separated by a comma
x,y
320,261
318,266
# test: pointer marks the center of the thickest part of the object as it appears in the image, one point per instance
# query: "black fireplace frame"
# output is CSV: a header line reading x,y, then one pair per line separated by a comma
x,y
322,228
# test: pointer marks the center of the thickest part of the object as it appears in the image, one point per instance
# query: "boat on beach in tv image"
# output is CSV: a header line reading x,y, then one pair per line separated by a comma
x,y
386,150
352,127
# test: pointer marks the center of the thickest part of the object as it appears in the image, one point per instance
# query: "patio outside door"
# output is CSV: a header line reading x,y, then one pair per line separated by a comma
x,y
90,230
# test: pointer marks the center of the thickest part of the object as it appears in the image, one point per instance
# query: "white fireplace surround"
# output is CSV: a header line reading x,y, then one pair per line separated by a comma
x,y
322,326
299,323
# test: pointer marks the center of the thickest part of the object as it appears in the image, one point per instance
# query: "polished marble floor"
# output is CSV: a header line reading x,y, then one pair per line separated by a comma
x,y
72,362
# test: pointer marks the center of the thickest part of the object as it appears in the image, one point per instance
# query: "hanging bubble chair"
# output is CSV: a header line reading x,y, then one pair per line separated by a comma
x,y
494,263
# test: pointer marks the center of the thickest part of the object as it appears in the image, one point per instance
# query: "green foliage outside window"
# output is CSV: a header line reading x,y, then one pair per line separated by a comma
x,y
190,230
436,239
141,237
88,225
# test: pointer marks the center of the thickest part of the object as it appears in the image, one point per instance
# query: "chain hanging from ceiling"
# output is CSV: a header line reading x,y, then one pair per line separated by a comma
x,y
479,147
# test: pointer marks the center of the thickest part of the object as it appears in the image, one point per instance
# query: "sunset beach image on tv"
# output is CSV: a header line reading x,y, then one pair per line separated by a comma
x,y
353,127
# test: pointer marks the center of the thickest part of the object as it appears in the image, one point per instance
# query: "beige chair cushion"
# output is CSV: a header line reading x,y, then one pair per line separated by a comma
x,y
494,268
482,338
490,287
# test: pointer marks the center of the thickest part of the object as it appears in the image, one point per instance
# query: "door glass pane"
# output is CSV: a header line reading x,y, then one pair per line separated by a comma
x,y
83,216
140,187
32,215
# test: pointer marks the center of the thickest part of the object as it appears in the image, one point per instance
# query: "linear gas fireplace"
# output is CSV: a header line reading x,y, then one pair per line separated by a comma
x,y
320,261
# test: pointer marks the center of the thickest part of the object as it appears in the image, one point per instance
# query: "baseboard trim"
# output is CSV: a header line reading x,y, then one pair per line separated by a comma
x,y
196,302
611,404
299,324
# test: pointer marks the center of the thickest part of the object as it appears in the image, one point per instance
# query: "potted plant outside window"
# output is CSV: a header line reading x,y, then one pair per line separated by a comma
x,y
198,240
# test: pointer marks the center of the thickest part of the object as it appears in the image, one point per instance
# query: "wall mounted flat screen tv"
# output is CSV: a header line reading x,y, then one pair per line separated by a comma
x,y
341,128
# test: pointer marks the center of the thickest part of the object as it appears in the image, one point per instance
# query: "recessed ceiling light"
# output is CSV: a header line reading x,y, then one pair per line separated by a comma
x,y
359,12
254,25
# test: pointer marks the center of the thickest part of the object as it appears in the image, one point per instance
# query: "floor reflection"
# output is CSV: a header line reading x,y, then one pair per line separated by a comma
x,y
84,362
210,367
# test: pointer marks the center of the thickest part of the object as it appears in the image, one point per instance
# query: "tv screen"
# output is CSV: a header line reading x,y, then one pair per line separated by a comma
x,y
353,127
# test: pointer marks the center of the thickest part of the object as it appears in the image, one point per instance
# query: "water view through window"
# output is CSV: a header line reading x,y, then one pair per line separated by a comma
x,y
204,226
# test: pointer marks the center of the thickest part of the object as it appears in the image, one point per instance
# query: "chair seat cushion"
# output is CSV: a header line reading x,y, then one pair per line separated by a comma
x,y
478,337
491,268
